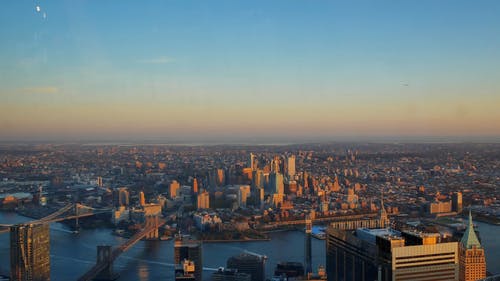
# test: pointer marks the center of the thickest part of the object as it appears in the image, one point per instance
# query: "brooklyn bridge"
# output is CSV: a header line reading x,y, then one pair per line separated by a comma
x,y
103,268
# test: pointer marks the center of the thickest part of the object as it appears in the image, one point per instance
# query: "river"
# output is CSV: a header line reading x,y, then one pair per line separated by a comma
x,y
73,254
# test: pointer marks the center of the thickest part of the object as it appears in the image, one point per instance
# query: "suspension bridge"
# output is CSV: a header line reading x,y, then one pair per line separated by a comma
x,y
103,269
72,211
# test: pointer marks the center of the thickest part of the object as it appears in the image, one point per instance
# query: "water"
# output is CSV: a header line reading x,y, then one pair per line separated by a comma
x,y
489,234
73,254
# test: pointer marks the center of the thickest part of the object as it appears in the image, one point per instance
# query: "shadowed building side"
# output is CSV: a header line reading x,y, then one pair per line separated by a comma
x,y
30,252
185,249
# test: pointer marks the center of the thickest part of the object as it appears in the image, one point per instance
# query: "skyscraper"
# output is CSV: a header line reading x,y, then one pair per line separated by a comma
x,y
186,249
276,183
174,189
99,181
248,263
203,200
30,252
257,179
251,161
275,164
472,259
142,199
220,176
195,185
291,166
456,202
386,254
185,271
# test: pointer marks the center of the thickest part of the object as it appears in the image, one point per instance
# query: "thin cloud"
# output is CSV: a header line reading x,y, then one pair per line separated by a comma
x,y
158,60
40,90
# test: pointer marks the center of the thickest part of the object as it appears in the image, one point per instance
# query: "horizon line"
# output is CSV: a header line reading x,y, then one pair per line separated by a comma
x,y
271,141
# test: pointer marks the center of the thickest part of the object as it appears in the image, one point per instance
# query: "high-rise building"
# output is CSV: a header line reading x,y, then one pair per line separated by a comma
x,y
386,254
440,207
220,177
257,179
174,189
261,196
291,166
230,274
472,259
277,183
99,181
142,199
275,165
186,249
249,263
251,161
30,252
456,202
195,185
243,194
203,200
351,197
185,271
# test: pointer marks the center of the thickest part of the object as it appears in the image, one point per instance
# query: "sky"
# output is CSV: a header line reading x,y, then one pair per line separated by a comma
x,y
256,71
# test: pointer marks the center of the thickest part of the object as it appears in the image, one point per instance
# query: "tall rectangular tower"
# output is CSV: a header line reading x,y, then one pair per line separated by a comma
x,y
472,259
291,166
185,249
307,248
30,252
456,202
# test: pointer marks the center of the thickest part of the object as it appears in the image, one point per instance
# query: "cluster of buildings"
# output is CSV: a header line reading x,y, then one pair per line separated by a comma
x,y
389,254
244,267
218,188
123,211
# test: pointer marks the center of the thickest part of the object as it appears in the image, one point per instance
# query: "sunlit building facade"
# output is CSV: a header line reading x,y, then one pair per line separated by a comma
x,y
472,259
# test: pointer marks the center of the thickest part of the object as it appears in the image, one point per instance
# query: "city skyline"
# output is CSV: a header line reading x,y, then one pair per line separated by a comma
x,y
234,72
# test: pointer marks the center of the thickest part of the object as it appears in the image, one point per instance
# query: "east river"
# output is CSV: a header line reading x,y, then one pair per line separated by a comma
x,y
73,254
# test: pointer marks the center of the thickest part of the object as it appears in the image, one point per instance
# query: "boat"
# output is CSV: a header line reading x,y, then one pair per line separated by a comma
x,y
318,232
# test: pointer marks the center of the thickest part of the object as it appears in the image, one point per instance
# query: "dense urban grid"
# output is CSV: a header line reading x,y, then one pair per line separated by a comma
x,y
388,201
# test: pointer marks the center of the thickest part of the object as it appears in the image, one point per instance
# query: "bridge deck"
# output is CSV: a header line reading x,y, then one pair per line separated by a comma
x,y
97,268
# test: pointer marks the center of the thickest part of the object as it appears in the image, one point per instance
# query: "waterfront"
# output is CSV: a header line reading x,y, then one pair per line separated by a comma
x,y
72,254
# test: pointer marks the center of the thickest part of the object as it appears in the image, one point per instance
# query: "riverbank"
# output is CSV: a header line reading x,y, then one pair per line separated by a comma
x,y
486,219
237,240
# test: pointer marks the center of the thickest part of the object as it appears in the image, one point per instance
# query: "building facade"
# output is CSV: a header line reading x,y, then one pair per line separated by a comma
x,y
386,254
203,200
472,259
248,263
30,252
186,249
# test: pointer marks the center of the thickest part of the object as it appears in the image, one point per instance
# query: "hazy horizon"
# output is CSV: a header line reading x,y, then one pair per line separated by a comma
x,y
262,72
261,141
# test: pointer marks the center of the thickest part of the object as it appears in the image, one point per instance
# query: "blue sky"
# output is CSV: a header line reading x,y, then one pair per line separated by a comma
x,y
257,68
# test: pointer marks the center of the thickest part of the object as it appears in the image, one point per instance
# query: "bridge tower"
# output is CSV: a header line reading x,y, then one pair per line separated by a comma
x,y
104,257
77,226
152,221
307,248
